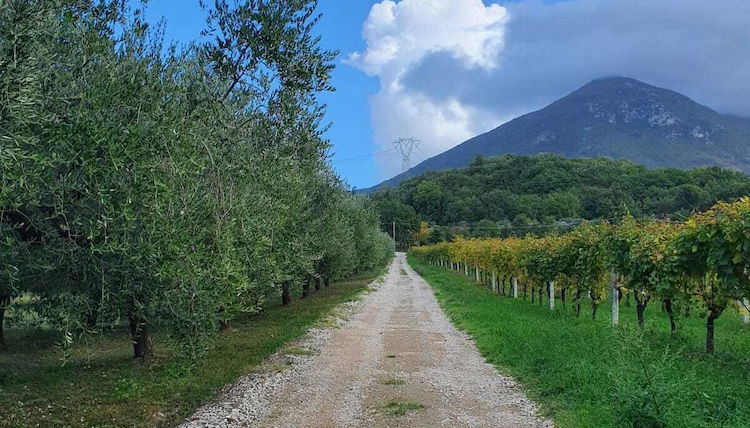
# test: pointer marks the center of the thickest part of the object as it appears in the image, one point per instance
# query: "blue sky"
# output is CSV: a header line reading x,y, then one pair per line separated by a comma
x,y
443,71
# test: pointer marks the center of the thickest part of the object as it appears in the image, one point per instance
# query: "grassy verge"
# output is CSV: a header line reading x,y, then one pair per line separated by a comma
x,y
586,373
101,385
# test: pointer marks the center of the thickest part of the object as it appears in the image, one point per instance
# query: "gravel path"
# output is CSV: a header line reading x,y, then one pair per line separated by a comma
x,y
393,346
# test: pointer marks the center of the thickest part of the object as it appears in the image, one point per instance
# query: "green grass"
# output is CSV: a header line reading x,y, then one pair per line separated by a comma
x,y
101,385
586,373
400,408
393,381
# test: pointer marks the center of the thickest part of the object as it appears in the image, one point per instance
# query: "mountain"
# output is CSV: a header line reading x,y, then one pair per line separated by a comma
x,y
615,117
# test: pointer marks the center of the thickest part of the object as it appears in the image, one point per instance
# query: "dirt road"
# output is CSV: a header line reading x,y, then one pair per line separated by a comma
x,y
395,362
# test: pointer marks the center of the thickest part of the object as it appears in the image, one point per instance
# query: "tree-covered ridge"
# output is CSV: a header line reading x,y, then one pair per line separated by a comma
x,y
541,189
168,188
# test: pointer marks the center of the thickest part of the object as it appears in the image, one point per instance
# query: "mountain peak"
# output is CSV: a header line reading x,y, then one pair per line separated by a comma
x,y
618,86
617,117
616,80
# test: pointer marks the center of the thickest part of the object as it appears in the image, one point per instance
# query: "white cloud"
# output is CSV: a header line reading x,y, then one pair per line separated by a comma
x,y
451,69
399,36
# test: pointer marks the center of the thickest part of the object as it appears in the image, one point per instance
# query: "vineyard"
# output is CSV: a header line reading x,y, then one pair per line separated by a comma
x,y
698,268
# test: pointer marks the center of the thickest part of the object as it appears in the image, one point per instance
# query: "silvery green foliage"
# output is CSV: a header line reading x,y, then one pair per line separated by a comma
x,y
168,187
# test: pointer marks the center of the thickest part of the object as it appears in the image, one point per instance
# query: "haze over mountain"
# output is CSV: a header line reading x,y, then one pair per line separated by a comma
x,y
616,117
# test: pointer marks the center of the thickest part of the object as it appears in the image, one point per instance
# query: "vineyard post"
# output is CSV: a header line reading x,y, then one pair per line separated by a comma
x,y
552,295
494,280
514,284
476,271
615,299
745,311
466,269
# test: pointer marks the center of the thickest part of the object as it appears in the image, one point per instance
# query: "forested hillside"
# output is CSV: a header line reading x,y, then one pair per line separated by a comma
x,y
526,191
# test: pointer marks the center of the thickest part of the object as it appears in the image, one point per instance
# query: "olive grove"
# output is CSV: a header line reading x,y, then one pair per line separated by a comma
x,y
164,187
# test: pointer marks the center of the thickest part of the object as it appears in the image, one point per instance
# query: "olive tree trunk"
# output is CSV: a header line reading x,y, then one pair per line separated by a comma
x,y
286,295
224,324
142,346
306,286
2,325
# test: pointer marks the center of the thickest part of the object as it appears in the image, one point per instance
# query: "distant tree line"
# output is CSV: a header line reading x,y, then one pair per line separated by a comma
x,y
516,195
157,186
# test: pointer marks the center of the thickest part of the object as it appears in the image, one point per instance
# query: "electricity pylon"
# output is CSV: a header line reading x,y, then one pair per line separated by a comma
x,y
405,147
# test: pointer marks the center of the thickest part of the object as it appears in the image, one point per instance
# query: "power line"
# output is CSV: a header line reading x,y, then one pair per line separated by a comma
x,y
424,155
364,156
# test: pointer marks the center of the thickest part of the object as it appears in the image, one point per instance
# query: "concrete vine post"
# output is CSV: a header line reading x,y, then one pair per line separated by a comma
x,y
615,299
514,285
552,295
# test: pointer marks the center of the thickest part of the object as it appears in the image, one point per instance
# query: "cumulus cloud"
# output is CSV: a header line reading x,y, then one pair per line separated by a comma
x,y
450,69
399,36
